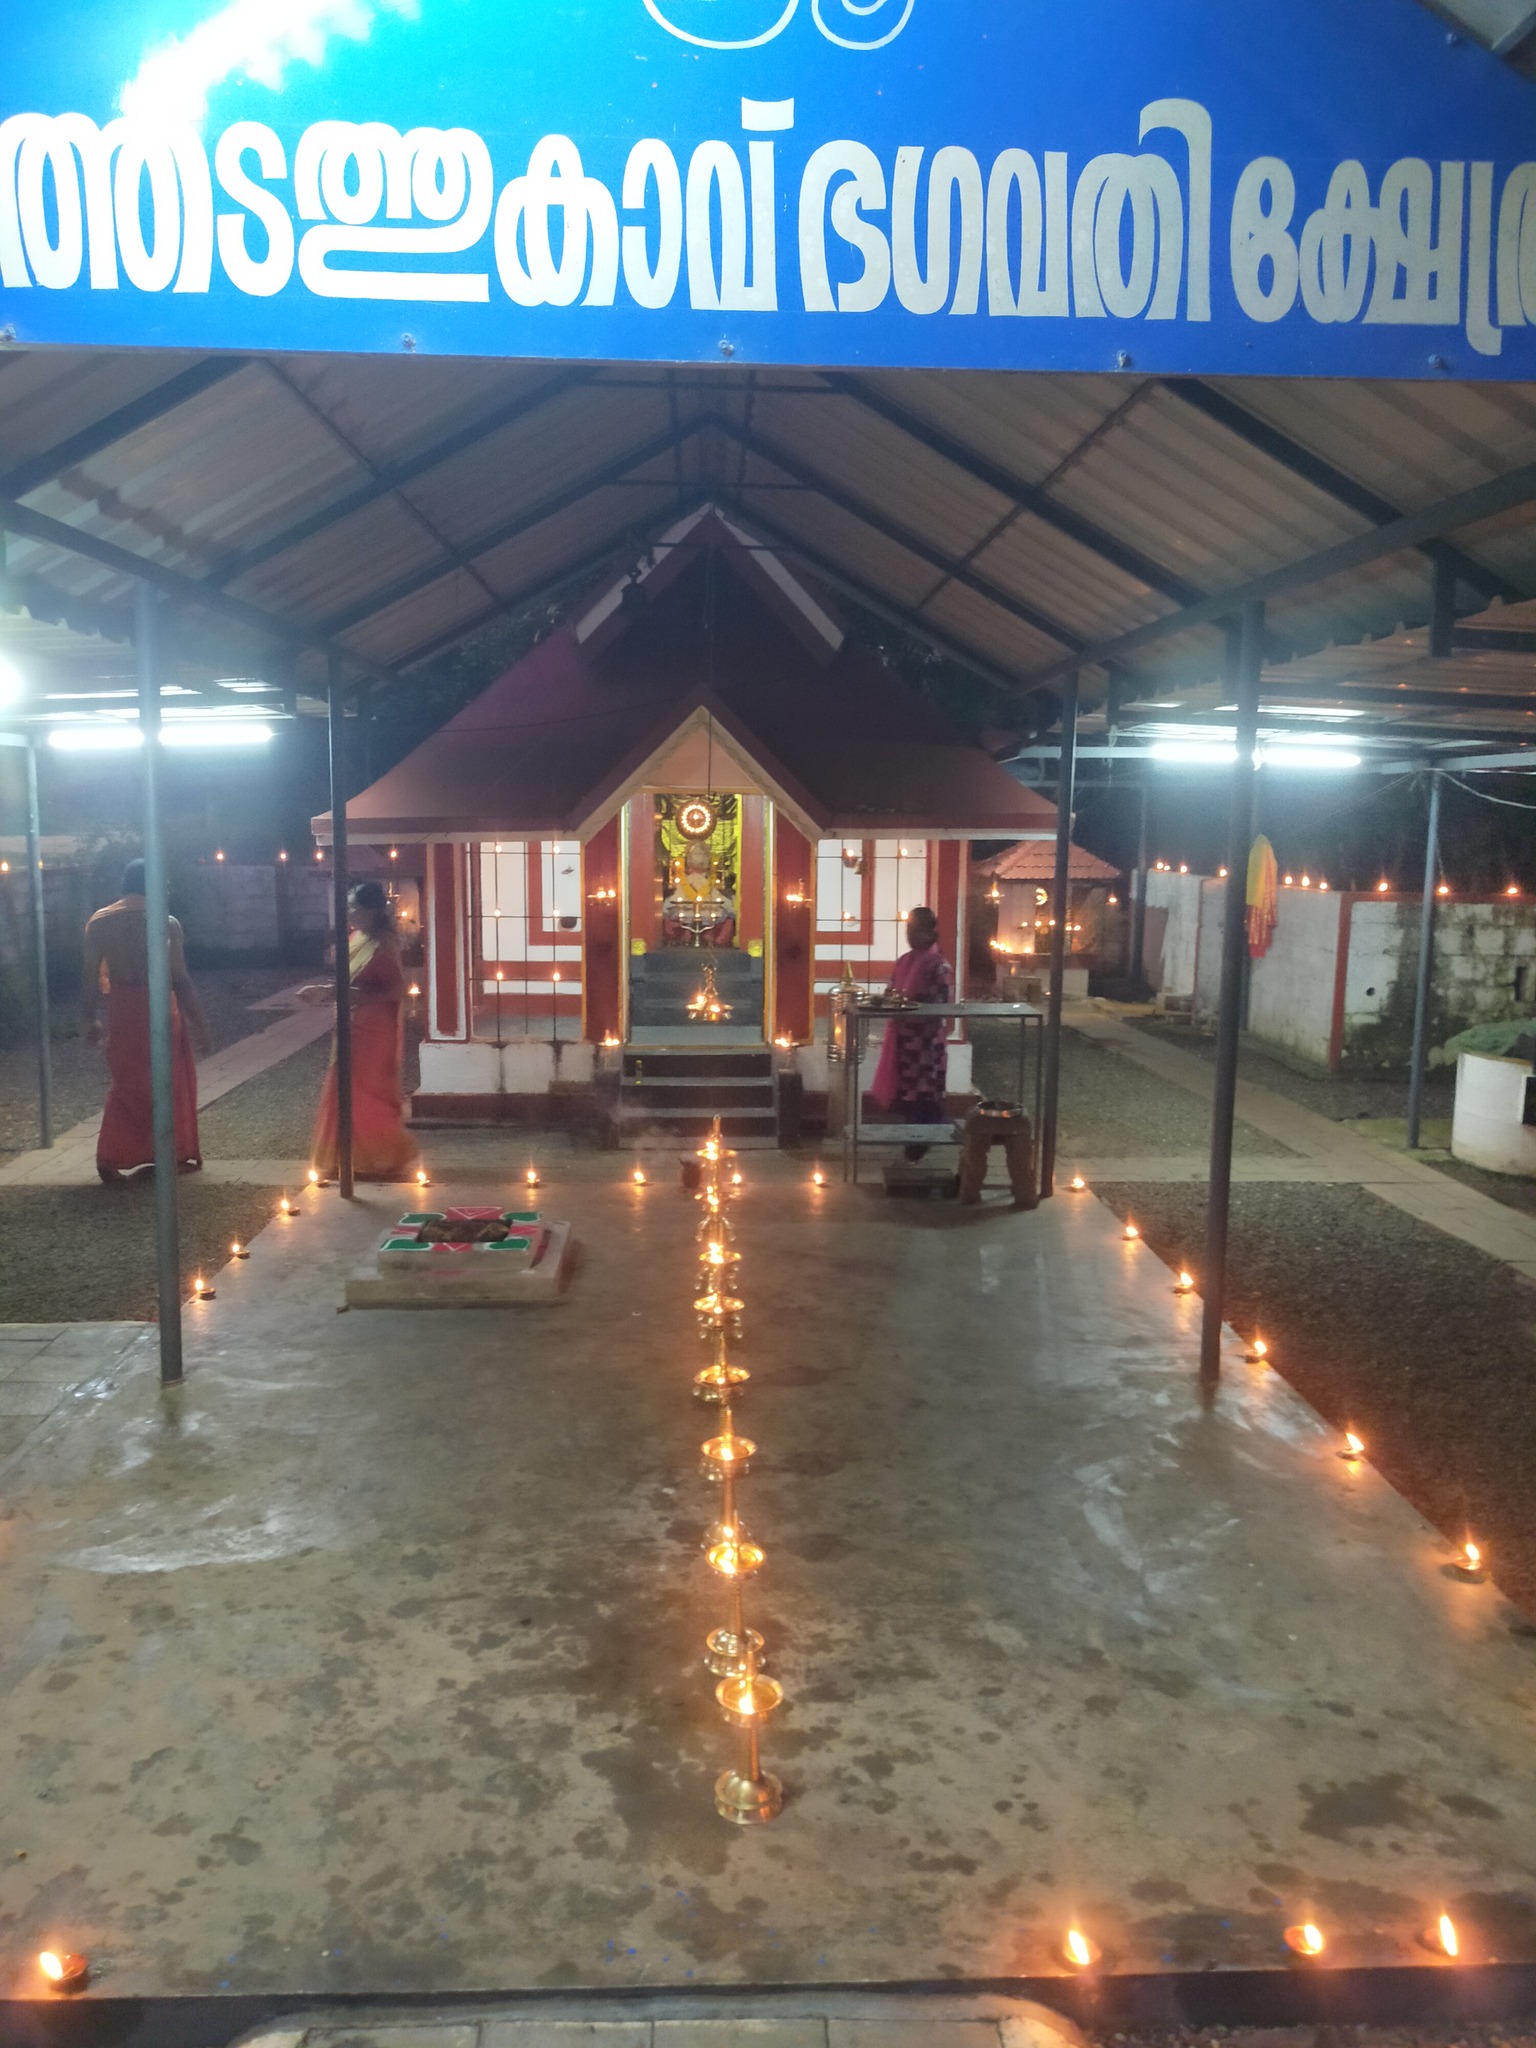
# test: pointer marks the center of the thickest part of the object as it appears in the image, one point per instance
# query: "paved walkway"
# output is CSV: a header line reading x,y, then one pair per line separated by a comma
x,y
789,2022
49,1367
1327,1151
71,1160
369,1660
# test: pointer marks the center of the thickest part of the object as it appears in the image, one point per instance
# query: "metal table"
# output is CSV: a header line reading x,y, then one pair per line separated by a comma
x,y
850,1035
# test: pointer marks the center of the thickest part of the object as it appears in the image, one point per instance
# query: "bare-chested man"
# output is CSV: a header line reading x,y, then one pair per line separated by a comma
x,y
117,967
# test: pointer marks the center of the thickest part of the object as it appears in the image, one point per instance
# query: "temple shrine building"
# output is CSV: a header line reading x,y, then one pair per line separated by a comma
x,y
654,847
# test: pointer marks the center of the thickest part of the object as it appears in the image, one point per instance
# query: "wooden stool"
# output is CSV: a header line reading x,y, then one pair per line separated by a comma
x,y
992,1124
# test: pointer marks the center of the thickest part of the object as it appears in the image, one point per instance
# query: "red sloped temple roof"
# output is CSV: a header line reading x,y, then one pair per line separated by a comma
x,y
716,638
1034,860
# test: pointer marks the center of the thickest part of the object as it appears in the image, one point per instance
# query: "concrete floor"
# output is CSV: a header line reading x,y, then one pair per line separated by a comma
x,y
369,1659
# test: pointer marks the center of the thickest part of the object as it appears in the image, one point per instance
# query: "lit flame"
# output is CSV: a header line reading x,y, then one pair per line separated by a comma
x,y
1383,888
314,1178
1260,1348
1310,1939
285,1207
532,1176
1131,1231
52,1966
1450,1941
733,1559
421,1176
1079,1948
1078,1183
1513,889
236,1248
1354,1446
818,1179
197,1283
1185,1282
736,1180
414,989
638,1176
1472,1556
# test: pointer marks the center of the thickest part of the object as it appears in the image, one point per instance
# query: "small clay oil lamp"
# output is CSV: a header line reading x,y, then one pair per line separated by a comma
x,y
65,1971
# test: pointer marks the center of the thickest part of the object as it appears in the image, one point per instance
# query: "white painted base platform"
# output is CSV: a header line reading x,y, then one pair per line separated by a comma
x,y
465,1282
1488,1127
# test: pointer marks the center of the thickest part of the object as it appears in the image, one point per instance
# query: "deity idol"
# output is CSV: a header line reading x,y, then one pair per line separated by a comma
x,y
697,912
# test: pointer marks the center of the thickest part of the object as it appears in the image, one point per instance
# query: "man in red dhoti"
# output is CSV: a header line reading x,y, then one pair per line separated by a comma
x,y
117,967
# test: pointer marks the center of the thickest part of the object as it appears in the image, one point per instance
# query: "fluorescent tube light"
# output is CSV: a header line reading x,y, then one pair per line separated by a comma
x,y
95,739
215,732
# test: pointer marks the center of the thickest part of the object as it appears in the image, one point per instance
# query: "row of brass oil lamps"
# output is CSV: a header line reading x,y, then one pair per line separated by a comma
x,y
746,1794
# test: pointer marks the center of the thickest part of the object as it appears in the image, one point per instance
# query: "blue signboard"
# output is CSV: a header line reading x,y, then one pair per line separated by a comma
x,y
1340,187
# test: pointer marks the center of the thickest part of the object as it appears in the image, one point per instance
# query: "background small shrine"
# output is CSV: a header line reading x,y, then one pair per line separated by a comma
x,y
1014,908
653,847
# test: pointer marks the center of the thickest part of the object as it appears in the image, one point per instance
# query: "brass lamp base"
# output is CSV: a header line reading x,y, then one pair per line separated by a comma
x,y
723,1454
725,1652
748,1801
720,1382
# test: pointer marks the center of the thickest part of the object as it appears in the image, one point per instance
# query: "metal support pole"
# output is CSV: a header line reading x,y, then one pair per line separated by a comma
x,y
1139,907
1425,977
1234,945
336,705
1442,609
1060,892
39,955
157,932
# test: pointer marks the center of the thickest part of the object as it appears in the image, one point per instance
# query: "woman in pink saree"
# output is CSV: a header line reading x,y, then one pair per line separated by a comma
x,y
914,1060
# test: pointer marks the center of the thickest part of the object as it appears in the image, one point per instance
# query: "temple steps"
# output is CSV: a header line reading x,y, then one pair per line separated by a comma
x,y
674,1093
662,983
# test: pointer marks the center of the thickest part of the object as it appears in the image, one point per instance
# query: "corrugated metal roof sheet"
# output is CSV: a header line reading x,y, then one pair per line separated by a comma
x,y
390,503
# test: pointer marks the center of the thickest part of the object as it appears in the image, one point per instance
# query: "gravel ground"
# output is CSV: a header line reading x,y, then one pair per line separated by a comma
x,y
79,1076
1348,1101
1508,1188
1424,1346
87,1254
1109,1108
272,1116
1342,1099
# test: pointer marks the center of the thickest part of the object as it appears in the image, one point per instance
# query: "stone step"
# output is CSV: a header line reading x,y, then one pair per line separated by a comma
x,y
722,1063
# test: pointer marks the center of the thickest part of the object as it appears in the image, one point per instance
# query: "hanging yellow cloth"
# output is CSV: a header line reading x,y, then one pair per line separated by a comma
x,y
1262,896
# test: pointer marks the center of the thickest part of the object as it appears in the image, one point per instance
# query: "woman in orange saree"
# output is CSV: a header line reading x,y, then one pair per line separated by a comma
x,y
382,1148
